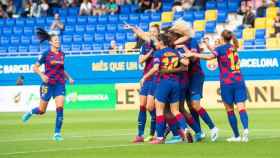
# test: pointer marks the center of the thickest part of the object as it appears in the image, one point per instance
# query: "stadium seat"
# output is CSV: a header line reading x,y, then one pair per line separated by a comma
x,y
120,37
271,12
12,49
120,28
20,22
164,25
2,22
238,34
25,40
133,18
125,9
167,17
33,48
100,28
233,6
3,50
82,20
272,43
260,34
71,20
199,25
90,28
188,16
260,43
34,40
129,45
178,15
113,19
73,11
269,22
103,19
97,47
49,20
211,5
7,31
67,39
210,15
23,48
155,17
106,46
76,47
98,37
133,8
123,18
15,40
222,16
166,7
92,19
199,35
111,27
248,44
199,15
144,26
248,34
69,30
88,38
270,30
62,12
260,23
44,47
30,22
66,47
145,17
130,37
10,22
87,47
40,21
5,40
109,37
210,27
80,29
222,5
78,39
28,30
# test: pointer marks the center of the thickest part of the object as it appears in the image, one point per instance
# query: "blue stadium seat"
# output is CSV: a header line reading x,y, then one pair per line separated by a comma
x,y
210,27
28,30
211,5
92,19
1,22
25,40
69,30
103,19
73,11
10,22
80,29
222,16
30,22
97,47
109,37
123,18
166,7
76,47
90,28
78,39
87,47
125,9
199,15
120,37
44,47
66,47
260,43
100,28
156,17
15,40
144,26
49,20
71,20
260,34
17,30
12,49
33,48
199,35
82,20
233,6
133,18
111,27
248,44
238,34
5,40
23,48
120,28
106,46
145,17
40,21
7,31
20,22
113,19
133,8
98,37
67,39
88,38
188,16
3,50
167,24
62,12
178,15
34,40
130,37
222,5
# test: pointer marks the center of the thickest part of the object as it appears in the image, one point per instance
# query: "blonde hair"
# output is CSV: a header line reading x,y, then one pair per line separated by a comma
x,y
182,27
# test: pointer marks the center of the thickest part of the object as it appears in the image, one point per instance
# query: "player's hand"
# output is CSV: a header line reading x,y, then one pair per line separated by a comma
x,y
45,78
142,82
127,26
180,46
188,55
71,81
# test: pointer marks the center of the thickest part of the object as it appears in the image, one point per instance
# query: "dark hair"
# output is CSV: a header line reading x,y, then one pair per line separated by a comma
x,y
165,39
156,26
227,35
43,35
173,36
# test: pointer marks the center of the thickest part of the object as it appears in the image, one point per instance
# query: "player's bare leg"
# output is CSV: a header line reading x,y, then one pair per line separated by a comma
x,y
244,120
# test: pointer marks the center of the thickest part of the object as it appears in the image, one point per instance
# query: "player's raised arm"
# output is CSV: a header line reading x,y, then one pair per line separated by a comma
x,y
201,56
138,31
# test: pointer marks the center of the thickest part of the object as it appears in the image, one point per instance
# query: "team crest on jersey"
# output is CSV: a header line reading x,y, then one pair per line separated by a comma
x,y
212,65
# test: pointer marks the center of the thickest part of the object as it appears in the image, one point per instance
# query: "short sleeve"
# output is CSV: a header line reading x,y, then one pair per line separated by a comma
x,y
194,45
216,51
41,59
156,58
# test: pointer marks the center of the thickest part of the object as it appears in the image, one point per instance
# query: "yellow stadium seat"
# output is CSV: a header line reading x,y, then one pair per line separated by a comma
x,y
260,23
130,45
211,15
248,34
272,43
270,31
167,17
271,12
269,22
240,42
199,25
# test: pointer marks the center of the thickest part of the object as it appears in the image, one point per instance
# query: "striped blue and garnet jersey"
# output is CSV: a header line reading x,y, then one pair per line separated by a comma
x,y
54,66
229,64
145,49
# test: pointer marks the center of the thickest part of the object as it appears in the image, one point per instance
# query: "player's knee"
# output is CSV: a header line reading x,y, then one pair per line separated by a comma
x,y
241,106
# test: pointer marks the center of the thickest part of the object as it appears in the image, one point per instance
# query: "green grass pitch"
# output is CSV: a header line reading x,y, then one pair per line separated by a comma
x,y
107,134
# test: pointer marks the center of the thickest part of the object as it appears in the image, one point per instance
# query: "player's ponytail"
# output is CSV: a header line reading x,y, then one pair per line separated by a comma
x,y
42,35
